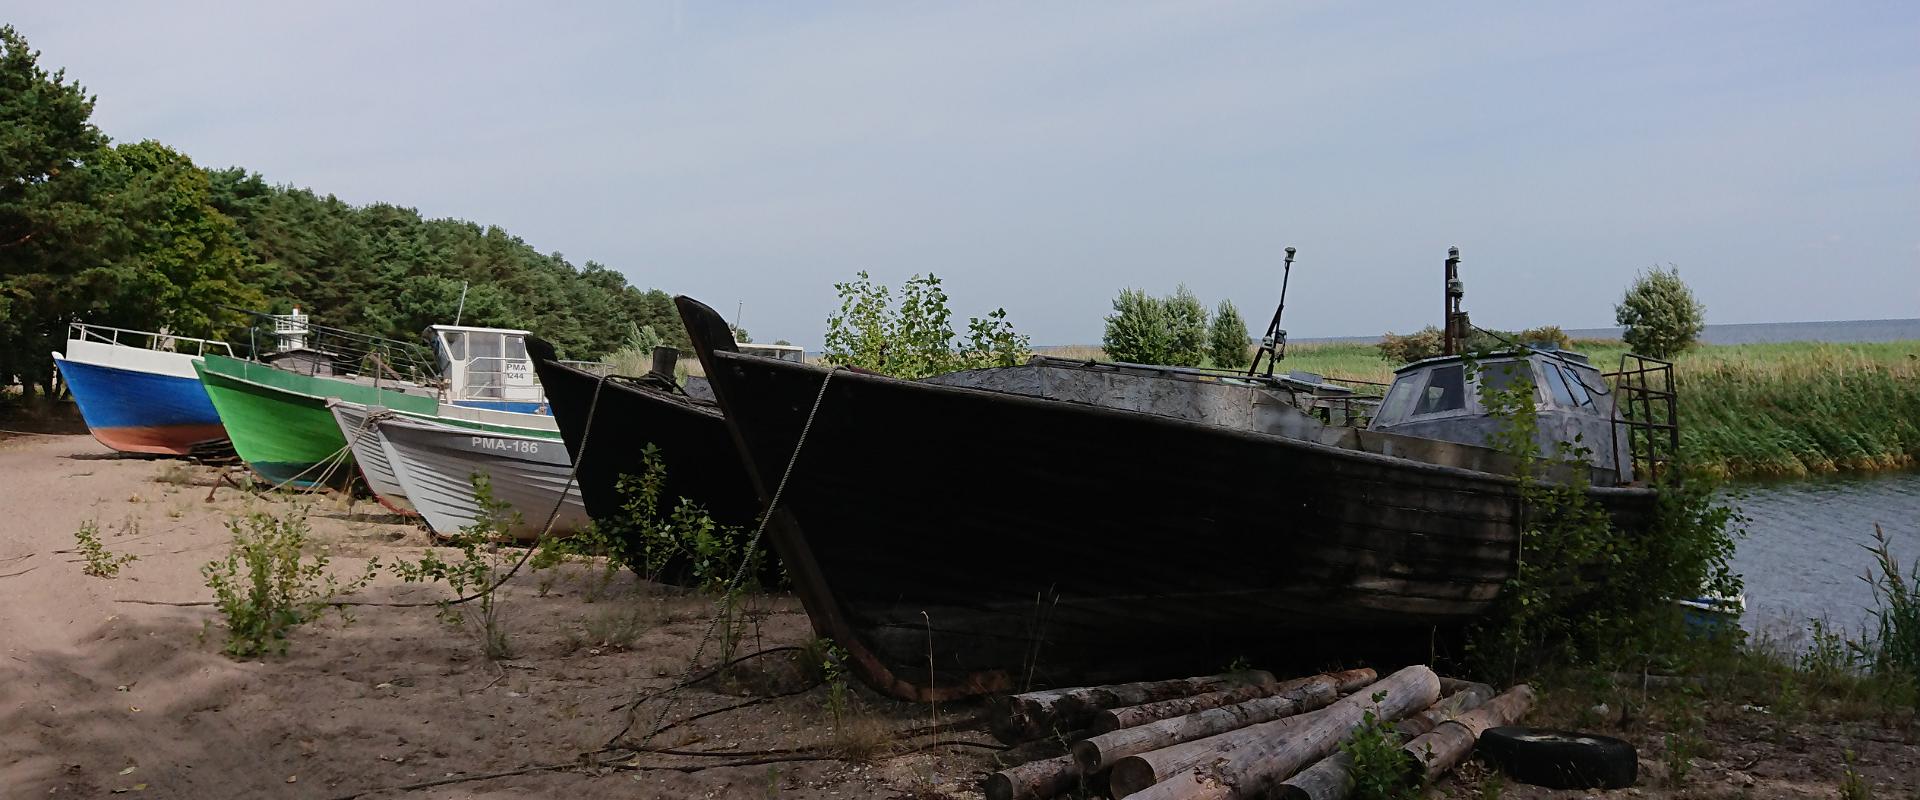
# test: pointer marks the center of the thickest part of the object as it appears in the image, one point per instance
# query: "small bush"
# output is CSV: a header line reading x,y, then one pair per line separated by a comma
x,y
652,538
1186,328
100,562
1381,770
916,339
1227,343
1139,330
1548,335
480,570
1424,343
1660,314
266,586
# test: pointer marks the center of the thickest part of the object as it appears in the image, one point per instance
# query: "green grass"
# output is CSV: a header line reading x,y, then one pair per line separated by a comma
x,y
1754,410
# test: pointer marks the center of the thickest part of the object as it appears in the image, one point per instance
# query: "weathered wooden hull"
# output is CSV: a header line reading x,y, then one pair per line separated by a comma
x,y
692,438
960,541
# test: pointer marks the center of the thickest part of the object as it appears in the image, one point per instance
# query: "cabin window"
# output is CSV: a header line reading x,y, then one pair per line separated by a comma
x,y
1399,403
1446,391
516,348
1557,385
1501,376
1578,389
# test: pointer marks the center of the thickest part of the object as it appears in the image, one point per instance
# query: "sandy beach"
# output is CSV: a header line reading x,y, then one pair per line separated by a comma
x,y
101,692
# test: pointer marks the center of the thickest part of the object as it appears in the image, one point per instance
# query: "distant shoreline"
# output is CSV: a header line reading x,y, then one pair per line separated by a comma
x,y
1833,331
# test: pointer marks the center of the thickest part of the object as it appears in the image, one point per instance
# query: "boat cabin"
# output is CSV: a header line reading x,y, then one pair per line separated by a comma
x,y
487,368
1440,398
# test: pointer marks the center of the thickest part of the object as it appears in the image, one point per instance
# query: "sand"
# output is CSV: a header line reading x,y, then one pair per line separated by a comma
x,y
98,695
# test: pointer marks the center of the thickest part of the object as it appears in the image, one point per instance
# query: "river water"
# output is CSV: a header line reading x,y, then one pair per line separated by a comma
x,y
1805,551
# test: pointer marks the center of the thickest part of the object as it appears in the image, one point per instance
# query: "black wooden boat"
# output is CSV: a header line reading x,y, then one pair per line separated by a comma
x,y
701,462
959,540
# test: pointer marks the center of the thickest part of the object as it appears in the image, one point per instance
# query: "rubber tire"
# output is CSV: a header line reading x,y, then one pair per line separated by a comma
x,y
1561,759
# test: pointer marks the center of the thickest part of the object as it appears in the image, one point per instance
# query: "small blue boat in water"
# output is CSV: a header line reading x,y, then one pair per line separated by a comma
x,y
138,392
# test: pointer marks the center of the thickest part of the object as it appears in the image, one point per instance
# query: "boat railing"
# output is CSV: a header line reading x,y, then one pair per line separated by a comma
x,y
595,367
1647,408
373,356
145,340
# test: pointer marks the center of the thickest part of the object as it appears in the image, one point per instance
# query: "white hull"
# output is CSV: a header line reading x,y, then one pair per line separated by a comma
x,y
435,464
363,437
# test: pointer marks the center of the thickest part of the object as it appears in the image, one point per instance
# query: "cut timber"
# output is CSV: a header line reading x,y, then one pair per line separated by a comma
x,y
1042,748
1035,780
1439,750
1332,778
1114,719
1100,752
1251,761
1453,686
1022,717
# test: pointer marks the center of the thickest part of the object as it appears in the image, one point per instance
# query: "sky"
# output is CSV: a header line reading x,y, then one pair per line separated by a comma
x,y
1042,156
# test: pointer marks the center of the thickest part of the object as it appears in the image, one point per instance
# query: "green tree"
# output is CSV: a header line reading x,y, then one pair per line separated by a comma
x,y
1186,328
1138,330
1661,316
917,339
1227,341
46,136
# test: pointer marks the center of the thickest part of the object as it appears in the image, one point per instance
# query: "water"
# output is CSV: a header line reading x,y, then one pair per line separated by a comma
x,y
1805,552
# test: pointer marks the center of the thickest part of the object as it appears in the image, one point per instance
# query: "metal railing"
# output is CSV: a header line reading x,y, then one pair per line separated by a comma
x,y
149,340
1647,400
371,356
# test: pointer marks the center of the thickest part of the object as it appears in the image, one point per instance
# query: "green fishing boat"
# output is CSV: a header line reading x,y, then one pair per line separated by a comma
x,y
279,421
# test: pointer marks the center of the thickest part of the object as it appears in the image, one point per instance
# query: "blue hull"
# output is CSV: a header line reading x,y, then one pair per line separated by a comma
x,y
141,412
517,407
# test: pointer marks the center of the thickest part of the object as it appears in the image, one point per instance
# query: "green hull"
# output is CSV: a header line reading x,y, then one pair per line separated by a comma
x,y
279,421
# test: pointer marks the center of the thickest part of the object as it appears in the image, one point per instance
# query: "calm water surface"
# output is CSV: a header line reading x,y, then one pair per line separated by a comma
x,y
1805,551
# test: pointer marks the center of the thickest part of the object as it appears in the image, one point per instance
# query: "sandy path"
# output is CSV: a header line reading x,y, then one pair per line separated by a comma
x,y
98,695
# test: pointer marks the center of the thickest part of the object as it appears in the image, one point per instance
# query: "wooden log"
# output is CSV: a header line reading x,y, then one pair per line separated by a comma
x,y
1114,719
1451,686
1022,717
1332,778
1104,750
1036,780
1249,762
1449,742
1042,748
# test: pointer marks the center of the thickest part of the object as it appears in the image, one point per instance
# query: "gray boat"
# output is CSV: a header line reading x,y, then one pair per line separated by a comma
x,y
363,437
435,464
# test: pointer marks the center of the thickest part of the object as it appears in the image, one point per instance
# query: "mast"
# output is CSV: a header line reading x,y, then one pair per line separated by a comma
x,y
1454,335
1273,345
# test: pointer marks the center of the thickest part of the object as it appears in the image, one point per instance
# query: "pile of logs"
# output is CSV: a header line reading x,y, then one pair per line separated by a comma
x,y
1237,735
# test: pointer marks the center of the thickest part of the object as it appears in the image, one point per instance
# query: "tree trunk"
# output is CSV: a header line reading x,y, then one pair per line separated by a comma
x,y
1037,780
1249,762
1035,714
1103,751
1114,719
1449,742
1332,778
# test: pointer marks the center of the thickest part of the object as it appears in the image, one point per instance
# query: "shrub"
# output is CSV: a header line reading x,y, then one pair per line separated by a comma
x,y
1381,769
1545,335
100,562
266,586
481,567
650,537
1139,330
1227,342
917,339
1186,328
1424,343
1661,316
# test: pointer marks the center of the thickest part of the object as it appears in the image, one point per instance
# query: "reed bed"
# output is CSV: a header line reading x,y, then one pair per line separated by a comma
x,y
1788,409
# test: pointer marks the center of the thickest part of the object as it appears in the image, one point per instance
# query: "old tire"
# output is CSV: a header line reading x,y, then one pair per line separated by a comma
x,y
1561,759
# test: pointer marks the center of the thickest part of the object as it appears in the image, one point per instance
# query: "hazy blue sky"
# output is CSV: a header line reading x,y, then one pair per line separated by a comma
x,y
1041,156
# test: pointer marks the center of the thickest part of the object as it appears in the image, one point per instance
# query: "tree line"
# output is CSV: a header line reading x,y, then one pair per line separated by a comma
x,y
136,235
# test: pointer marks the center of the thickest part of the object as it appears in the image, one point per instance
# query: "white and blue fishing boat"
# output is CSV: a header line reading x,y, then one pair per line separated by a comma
x,y
436,464
138,392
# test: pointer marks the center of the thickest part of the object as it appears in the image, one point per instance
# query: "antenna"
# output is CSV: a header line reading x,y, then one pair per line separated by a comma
x,y
1273,345
463,303
1454,334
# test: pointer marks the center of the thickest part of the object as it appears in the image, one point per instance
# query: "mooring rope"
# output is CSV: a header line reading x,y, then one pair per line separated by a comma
x,y
739,575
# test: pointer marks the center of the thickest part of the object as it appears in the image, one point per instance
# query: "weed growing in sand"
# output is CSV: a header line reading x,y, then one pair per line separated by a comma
x,y
100,563
1853,786
266,585
681,544
480,569
1380,768
175,474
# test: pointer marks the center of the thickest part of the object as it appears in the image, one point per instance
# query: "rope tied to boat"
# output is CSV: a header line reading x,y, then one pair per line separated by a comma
x,y
739,575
